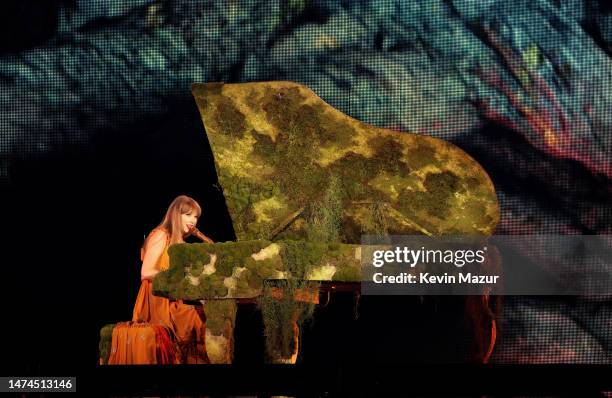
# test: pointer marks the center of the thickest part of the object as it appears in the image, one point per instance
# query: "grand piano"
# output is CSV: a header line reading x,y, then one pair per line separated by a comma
x,y
303,182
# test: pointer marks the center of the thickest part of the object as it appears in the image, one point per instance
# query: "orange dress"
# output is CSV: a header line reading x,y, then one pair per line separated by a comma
x,y
182,319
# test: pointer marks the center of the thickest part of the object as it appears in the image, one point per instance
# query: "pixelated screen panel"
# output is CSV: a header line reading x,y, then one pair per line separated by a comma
x,y
523,90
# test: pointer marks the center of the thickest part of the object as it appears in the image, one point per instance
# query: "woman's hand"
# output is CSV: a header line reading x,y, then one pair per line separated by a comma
x,y
153,252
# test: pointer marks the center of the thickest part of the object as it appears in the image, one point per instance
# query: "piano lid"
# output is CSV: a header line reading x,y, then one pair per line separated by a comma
x,y
294,167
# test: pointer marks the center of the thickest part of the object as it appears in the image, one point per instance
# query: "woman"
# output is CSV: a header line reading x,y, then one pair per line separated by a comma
x,y
178,223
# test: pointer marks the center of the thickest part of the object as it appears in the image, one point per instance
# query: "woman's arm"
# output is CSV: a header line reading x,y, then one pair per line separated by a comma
x,y
153,252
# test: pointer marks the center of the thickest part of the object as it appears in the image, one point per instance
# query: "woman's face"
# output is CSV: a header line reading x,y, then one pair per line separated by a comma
x,y
188,221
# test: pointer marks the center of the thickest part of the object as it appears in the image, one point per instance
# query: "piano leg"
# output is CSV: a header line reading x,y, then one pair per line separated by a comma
x,y
220,321
278,358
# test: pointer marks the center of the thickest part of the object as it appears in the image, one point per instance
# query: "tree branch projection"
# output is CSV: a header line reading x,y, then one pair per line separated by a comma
x,y
113,63
424,67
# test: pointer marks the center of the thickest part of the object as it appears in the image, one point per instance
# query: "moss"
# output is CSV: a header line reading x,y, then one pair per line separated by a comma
x,y
172,283
412,203
347,267
255,280
197,268
279,316
445,182
295,231
211,286
475,213
220,316
106,340
237,192
292,154
354,171
266,210
265,148
189,291
242,286
299,256
421,155
212,89
234,254
281,105
334,246
289,134
435,201
186,255
372,218
351,230
415,201
242,195
333,130
229,256
252,100
325,215
228,118
308,121
226,261
250,263
301,127
388,154
472,183
267,268
348,274
298,175
379,219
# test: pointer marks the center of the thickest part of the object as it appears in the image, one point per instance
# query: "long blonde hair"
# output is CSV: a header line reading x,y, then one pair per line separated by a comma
x,y
183,204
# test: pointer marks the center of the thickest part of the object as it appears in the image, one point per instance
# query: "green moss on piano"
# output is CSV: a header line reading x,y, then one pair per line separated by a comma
x,y
106,340
436,199
348,274
220,315
302,256
239,269
278,317
325,215
293,146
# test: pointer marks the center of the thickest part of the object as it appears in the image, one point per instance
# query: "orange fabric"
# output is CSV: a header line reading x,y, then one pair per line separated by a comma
x,y
141,344
181,319
166,347
190,331
151,308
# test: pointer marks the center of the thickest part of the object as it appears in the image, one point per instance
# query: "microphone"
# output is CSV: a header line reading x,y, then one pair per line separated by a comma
x,y
196,232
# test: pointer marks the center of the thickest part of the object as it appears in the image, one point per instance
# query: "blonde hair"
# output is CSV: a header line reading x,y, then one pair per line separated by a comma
x,y
171,223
